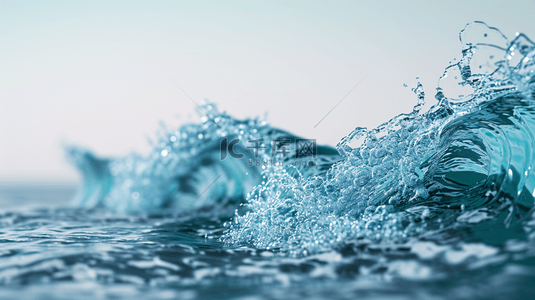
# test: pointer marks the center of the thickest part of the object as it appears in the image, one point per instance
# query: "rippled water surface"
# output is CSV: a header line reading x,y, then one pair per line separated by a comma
x,y
433,204
65,253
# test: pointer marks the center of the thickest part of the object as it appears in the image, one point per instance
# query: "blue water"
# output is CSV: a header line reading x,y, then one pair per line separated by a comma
x,y
434,204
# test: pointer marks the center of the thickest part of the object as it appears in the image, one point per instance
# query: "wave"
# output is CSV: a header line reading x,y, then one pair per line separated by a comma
x,y
215,159
461,170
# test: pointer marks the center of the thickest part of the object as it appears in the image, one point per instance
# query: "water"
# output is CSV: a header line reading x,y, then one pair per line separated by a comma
x,y
433,204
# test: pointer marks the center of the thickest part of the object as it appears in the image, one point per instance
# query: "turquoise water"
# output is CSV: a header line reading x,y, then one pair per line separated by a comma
x,y
434,204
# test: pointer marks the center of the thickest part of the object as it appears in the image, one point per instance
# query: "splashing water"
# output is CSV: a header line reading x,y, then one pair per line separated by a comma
x,y
443,196
470,157
186,161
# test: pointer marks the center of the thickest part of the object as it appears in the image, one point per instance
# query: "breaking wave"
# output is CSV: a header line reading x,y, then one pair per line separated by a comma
x,y
460,171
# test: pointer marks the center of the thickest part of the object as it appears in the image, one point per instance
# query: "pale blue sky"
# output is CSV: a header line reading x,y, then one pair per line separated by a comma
x,y
88,72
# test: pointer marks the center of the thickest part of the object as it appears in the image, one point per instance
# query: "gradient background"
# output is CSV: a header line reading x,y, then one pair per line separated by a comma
x,y
90,72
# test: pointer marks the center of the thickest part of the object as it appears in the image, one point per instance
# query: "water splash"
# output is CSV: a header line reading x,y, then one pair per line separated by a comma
x,y
467,160
185,162
418,174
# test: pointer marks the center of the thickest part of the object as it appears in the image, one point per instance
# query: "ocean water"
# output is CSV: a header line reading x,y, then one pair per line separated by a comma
x,y
434,204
